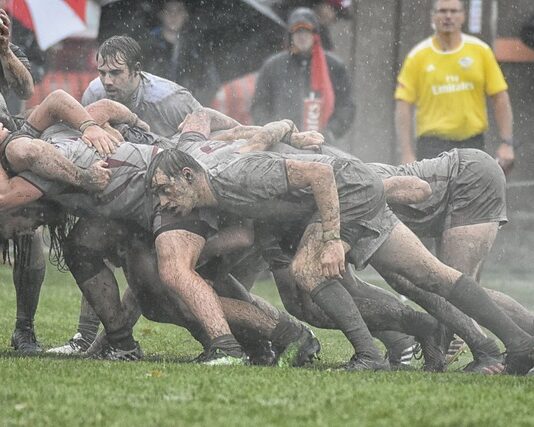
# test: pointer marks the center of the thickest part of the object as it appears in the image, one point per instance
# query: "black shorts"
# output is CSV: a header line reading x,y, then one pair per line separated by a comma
x,y
428,147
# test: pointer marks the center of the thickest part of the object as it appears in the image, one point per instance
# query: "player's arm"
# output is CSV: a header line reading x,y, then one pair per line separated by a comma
x,y
309,140
17,75
268,135
108,111
15,192
504,118
41,158
59,106
403,127
178,273
406,190
227,240
320,178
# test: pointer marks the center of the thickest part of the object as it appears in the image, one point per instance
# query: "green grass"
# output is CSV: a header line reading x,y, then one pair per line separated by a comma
x,y
164,390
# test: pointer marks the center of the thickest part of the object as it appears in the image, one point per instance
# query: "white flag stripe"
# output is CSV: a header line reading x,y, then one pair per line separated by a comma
x,y
53,21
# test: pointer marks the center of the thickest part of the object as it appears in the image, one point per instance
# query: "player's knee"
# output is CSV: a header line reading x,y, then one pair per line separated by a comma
x,y
84,263
22,153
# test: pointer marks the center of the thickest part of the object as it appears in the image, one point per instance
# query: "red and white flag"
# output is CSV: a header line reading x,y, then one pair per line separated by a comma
x,y
55,20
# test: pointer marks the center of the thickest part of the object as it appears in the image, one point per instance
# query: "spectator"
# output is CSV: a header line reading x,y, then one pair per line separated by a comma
x,y
305,83
176,51
15,72
527,32
447,77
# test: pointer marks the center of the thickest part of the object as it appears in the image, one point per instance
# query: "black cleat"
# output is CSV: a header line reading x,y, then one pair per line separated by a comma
x,y
110,352
360,363
24,341
303,350
262,354
518,362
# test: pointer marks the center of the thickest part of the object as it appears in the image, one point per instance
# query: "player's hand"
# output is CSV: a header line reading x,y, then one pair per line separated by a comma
x,y
97,177
104,143
505,157
5,31
184,121
333,259
113,132
142,125
308,140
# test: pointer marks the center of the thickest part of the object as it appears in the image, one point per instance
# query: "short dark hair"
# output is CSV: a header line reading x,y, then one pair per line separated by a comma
x,y
121,48
435,2
171,162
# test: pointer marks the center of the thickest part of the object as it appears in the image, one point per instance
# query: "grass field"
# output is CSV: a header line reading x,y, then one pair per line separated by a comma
x,y
164,390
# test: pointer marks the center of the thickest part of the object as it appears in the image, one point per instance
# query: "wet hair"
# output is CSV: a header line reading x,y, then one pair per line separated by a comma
x,y
121,49
59,223
171,162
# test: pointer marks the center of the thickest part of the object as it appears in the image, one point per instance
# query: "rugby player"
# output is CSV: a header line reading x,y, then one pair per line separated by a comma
x,y
260,186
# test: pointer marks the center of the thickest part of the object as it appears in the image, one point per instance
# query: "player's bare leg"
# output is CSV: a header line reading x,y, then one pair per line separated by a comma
x,y
334,300
28,276
466,249
405,256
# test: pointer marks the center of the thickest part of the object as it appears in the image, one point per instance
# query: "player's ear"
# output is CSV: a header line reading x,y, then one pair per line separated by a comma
x,y
188,175
137,67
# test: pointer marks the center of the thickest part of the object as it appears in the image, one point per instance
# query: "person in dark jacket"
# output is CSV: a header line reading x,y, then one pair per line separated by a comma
x,y
305,84
177,51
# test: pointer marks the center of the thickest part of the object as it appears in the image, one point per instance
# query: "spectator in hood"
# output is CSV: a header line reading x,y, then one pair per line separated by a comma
x,y
305,84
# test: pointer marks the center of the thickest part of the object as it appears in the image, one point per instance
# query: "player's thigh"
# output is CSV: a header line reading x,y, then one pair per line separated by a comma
x,y
403,254
465,248
97,233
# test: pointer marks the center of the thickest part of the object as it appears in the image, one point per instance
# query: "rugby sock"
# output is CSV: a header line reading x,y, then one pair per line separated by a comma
x,y
286,331
445,312
228,344
28,283
102,292
88,321
396,343
471,298
121,338
519,314
338,304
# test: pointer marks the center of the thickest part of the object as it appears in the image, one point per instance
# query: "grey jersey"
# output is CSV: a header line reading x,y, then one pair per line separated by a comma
x,y
255,185
207,153
124,198
159,102
439,173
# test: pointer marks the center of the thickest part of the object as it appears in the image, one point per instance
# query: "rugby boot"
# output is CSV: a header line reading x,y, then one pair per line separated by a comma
x,y
24,341
217,357
110,352
76,345
262,354
304,349
487,359
519,362
363,362
403,361
455,350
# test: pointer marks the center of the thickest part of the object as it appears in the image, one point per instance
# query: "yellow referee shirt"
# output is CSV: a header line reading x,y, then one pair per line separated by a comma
x,y
449,88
